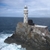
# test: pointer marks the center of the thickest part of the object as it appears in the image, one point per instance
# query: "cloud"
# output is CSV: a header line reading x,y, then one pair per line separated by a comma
x,y
14,3
35,7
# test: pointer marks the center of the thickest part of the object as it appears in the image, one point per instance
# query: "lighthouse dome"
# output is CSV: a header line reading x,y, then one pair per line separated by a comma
x,y
25,7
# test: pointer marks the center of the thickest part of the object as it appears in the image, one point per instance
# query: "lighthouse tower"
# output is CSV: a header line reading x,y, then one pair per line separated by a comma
x,y
25,14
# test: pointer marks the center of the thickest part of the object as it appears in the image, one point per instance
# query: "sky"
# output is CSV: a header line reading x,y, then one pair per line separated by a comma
x,y
14,8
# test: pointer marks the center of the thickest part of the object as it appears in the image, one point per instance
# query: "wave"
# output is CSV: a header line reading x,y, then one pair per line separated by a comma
x,y
5,46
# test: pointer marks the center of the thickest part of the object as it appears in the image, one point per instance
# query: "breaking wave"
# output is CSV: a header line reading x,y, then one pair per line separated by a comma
x,y
5,46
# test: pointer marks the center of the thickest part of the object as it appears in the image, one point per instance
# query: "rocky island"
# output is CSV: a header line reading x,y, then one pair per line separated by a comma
x,y
30,35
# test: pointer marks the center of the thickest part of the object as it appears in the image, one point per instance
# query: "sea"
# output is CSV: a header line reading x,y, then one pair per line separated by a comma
x,y
8,26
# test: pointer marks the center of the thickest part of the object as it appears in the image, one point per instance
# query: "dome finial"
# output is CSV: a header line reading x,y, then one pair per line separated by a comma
x,y
25,6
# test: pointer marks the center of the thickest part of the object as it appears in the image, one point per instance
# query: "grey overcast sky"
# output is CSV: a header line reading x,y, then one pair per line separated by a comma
x,y
14,8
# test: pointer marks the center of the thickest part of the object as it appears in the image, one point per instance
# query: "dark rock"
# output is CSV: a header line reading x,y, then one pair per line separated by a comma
x,y
30,22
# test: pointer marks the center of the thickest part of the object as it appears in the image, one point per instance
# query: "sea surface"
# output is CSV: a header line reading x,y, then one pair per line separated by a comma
x,y
8,26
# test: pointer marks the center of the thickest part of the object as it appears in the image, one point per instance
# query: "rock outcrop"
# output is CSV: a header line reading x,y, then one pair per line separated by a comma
x,y
25,36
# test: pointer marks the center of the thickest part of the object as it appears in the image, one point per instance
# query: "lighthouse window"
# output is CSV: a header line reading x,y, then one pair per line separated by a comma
x,y
25,8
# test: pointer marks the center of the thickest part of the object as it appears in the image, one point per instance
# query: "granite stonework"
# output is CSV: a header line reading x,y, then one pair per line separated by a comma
x,y
28,36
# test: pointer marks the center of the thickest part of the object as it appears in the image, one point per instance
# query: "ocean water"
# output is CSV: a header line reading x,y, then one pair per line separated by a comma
x,y
8,26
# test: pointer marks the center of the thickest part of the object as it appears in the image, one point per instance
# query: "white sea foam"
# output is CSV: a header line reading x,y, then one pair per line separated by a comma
x,y
5,46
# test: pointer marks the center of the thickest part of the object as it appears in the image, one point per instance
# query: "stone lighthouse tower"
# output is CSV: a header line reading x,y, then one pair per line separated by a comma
x,y
25,14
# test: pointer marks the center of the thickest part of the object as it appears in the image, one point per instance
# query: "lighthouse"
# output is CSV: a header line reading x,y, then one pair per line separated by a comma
x,y
25,14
